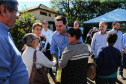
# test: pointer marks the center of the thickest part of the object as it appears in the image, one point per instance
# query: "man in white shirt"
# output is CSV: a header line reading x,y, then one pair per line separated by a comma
x,y
119,44
48,34
99,38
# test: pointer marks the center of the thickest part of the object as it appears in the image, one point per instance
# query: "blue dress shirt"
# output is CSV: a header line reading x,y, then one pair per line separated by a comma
x,y
59,41
12,67
124,41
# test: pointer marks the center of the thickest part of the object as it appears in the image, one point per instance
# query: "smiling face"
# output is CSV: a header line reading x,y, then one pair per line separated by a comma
x,y
37,30
116,26
76,24
71,39
60,27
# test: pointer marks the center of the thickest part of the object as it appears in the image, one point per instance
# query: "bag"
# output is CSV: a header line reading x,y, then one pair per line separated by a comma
x,y
91,71
38,76
58,76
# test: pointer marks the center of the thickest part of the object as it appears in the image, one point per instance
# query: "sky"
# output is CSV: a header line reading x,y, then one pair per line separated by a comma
x,y
30,3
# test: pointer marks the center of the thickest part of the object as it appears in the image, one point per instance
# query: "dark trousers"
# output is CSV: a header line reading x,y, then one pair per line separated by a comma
x,y
123,65
105,80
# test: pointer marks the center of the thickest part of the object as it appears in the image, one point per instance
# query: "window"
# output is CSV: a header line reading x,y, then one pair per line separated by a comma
x,y
49,15
43,13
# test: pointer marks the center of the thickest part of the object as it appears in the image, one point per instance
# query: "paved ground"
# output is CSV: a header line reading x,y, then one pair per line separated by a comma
x,y
120,81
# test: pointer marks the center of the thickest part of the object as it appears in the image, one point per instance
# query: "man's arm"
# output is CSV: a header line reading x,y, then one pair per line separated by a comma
x,y
53,46
5,62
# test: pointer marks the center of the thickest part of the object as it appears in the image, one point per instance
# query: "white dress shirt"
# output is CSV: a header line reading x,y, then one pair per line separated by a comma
x,y
119,42
99,40
48,35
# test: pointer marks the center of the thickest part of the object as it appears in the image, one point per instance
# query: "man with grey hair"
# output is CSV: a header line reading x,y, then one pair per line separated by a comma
x,y
12,67
99,38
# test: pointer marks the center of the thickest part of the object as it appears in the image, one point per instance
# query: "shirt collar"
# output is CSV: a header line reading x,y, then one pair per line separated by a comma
x,y
101,33
44,29
3,26
61,34
114,31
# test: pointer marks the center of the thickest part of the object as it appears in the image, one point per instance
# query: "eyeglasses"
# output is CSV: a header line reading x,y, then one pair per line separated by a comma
x,y
45,23
17,12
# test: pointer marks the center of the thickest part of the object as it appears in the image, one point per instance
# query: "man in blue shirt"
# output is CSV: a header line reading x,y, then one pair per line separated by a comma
x,y
60,36
12,68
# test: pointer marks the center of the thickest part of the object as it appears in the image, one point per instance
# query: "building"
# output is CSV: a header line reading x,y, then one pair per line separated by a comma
x,y
42,12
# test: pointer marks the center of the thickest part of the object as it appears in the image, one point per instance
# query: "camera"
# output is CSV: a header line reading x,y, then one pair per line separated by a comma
x,y
42,38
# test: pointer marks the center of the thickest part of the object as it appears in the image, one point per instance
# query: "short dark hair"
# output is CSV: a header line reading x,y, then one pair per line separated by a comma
x,y
115,22
61,18
10,5
75,31
111,37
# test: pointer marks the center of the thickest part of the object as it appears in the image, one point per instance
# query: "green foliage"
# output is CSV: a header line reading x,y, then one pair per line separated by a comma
x,y
83,10
23,25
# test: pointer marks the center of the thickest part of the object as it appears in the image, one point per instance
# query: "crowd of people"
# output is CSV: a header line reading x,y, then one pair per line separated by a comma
x,y
64,48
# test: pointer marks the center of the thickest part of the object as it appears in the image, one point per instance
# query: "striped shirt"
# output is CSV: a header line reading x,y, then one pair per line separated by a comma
x,y
74,52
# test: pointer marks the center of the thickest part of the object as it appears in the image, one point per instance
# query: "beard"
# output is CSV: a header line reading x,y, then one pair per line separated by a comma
x,y
116,28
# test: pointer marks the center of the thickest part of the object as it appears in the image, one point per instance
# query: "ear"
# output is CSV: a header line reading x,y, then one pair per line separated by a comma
x,y
33,42
3,11
74,36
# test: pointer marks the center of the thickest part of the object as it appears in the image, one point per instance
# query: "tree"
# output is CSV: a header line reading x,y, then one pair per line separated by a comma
x,y
83,10
23,25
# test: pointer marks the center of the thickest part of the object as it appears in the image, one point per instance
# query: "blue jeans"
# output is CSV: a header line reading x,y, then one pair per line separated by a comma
x,y
121,67
105,80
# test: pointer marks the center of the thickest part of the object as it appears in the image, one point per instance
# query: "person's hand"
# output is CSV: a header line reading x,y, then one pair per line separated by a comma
x,y
54,58
92,55
123,51
43,36
44,50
